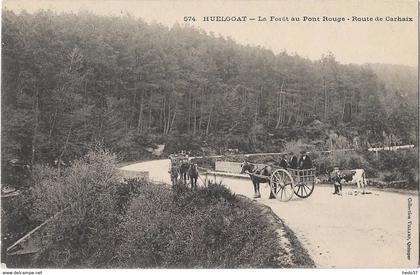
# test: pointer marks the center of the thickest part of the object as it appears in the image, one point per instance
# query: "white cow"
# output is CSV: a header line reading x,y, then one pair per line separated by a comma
x,y
355,176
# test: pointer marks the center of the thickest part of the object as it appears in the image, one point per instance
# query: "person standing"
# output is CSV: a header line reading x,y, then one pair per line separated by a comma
x,y
337,181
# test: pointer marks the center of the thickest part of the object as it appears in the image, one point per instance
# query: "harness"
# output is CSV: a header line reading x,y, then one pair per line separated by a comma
x,y
257,170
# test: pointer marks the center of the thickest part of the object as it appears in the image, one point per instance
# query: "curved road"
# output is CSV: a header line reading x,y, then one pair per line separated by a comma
x,y
338,231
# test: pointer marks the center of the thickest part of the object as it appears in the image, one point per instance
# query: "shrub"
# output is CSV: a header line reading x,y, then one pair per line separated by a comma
x,y
176,143
296,146
343,160
205,162
86,196
16,221
207,228
397,165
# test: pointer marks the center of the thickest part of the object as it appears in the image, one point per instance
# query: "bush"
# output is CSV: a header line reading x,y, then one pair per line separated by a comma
x,y
397,165
296,146
207,228
205,162
15,223
86,196
176,143
388,165
343,160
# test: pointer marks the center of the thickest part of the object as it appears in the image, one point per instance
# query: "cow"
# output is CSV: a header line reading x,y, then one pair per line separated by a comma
x,y
355,176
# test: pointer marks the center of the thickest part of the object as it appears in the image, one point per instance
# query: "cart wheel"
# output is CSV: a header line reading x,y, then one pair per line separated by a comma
x,y
281,185
304,189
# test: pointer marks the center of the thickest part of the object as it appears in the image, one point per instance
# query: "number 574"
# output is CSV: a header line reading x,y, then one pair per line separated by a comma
x,y
189,19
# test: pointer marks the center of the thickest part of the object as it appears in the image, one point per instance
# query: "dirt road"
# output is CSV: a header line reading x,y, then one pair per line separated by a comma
x,y
338,231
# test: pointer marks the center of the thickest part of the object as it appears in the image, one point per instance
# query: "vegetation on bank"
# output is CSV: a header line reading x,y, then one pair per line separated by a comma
x,y
106,223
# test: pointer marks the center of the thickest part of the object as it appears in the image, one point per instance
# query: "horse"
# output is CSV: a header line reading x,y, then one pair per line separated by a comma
x,y
265,171
193,175
174,174
183,170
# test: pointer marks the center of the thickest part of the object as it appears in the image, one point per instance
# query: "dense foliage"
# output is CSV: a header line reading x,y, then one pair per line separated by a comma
x,y
207,228
69,80
85,199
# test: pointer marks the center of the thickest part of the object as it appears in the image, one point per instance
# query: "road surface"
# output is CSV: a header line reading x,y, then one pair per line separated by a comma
x,y
346,231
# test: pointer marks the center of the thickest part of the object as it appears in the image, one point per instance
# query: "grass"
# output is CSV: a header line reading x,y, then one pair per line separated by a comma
x,y
206,228
297,255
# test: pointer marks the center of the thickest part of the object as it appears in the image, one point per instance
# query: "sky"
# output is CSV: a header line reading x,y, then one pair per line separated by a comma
x,y
357,42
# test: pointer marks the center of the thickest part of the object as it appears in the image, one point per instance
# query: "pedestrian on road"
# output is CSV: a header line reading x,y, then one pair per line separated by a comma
x,y
337,181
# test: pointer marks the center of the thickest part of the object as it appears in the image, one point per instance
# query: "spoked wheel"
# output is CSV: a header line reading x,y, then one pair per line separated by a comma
x,y
304,189
281,185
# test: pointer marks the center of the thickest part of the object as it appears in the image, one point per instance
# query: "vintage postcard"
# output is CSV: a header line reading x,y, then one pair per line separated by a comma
x,y
209,134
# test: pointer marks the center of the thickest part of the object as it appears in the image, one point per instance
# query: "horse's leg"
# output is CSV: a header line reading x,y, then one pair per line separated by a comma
x,y
193,182
255,189
362,185
274,190
258,190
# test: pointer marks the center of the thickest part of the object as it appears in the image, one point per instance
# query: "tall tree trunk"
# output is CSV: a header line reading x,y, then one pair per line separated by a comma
x,y
140,119
64,149
168,120
36,125
195,116
189,112
52,126
161,113
201,112
325,102
164,115
279,109
209,119
149,124
133,106
172,123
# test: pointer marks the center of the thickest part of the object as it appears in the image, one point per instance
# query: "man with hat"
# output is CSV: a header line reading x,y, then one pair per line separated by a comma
x,y
305,161
293,163
283,162
337,181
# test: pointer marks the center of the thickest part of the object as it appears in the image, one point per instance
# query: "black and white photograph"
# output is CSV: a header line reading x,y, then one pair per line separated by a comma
x,y
209,135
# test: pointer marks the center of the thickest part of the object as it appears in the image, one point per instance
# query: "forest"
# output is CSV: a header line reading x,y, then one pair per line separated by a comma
x,y
71,80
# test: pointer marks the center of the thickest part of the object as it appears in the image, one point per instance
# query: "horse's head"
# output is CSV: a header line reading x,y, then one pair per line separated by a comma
x,y
246,167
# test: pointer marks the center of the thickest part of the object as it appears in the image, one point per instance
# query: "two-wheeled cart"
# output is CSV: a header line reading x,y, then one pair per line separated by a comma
x,y
286,182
